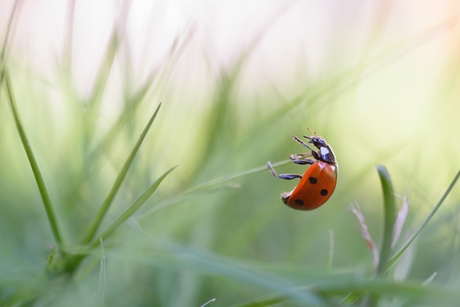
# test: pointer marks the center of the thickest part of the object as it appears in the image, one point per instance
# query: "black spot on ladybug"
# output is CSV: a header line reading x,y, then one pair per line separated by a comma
x,y
299,202
323,192
313,180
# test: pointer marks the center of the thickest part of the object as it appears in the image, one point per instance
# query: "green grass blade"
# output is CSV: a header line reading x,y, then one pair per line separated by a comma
x,y
116,186
399,253
49,208
390,217
72,263
208,186
389,205
132,208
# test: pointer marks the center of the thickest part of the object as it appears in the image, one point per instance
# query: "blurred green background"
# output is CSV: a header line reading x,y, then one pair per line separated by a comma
x,y
379,80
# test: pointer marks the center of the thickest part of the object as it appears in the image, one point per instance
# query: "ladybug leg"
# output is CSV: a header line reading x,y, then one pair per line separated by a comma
x,y
301,142
301,155
282,176
300,159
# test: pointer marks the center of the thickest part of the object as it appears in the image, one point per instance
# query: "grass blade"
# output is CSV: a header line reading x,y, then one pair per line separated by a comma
x,y
390,217
208,186
49,208
399,253
5,79
389,205
72,263
132,208
116,186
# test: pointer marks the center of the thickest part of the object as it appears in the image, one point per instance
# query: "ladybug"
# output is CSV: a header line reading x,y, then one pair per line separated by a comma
x,y
318,182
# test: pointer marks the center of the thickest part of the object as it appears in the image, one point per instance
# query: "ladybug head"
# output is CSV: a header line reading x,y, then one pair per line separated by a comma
x,y
325,152
317,141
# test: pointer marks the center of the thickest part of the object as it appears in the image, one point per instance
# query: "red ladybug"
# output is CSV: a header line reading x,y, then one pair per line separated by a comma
x,y
318,182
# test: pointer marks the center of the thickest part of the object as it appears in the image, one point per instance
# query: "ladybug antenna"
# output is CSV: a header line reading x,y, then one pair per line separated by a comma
x,y
309,137
314,133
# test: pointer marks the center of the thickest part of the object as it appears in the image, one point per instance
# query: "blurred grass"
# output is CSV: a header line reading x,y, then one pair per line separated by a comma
x,y
215,227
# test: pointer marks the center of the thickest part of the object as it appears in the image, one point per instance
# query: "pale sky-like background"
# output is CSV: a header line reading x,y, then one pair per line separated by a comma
x,y
294,32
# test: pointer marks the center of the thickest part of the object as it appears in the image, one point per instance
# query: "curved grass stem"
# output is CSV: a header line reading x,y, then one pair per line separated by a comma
x,y
49,208
389,215
389,207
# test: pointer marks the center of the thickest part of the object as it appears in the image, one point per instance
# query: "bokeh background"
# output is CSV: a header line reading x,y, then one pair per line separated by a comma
x,y
378,79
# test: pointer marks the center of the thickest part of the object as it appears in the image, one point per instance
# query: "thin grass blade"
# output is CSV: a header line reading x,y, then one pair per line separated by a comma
x,y
116,186
389,206
208,186
133,207
49,208
390,217
398,254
